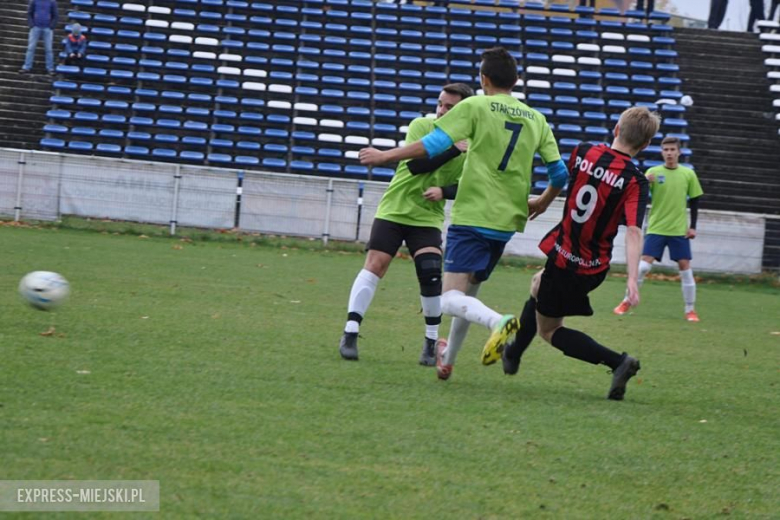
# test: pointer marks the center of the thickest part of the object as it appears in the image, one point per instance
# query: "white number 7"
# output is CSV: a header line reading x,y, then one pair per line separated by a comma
x,y
586,207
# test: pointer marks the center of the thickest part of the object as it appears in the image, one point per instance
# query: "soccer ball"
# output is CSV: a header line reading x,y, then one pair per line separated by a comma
x,y
44,290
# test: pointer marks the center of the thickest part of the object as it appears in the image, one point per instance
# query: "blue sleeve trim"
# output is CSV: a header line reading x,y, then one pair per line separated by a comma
x,y
436,142
557,174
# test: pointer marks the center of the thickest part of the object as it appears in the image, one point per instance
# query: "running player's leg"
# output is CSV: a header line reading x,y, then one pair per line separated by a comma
x,y
562,293
386,238
472,257
459,327
680,252
428,265
514,351
447,351
469,257
456,303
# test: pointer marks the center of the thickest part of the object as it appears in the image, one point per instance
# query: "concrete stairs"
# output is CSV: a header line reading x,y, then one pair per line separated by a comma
x,y
24,99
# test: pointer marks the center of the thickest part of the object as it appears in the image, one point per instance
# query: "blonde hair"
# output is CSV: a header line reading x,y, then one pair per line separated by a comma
x,y
638,126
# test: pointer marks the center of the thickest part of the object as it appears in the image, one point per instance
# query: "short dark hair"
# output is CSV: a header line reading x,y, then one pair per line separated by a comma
x,y
459,89
500,67
671,140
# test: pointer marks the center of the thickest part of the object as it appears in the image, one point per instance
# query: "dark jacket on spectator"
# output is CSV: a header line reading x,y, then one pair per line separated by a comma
x,y
42,13
76,44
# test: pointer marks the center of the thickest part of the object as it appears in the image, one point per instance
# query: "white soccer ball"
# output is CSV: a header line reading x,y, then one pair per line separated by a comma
x,y
44,290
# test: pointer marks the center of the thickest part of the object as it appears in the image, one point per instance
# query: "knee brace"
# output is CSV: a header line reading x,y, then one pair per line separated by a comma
x,y
428,267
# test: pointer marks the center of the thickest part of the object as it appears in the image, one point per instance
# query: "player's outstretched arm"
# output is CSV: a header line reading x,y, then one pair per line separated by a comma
x,y
374,157
431,145
633,252
431,164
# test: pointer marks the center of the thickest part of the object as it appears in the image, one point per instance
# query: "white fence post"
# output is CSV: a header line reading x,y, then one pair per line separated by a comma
x,y
19,178
329,203
175,205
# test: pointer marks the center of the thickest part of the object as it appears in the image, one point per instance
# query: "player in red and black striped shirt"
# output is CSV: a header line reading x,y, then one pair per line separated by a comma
x,y
605,189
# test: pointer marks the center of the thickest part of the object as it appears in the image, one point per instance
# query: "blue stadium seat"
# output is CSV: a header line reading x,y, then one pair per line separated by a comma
x,y
56,144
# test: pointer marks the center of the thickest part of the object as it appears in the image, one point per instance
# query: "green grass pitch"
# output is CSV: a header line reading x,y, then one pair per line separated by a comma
x,y
213,367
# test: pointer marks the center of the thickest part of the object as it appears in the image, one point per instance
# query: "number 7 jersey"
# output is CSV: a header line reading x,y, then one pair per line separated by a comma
x,y
606,189
504,134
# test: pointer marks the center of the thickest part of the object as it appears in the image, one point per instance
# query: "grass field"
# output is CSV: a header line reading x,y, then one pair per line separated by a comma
x,y
213,368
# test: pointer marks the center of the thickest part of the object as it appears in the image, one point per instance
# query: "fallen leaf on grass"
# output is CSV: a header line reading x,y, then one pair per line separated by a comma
x,y
83,372
144,317
177,247
295,301
703,421
142,236
775,333
49,332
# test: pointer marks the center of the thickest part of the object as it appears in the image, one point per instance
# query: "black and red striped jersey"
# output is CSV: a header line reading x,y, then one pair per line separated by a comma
x,y
606,189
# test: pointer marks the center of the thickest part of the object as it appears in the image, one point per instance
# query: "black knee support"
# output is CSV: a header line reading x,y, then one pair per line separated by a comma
x,y
428,266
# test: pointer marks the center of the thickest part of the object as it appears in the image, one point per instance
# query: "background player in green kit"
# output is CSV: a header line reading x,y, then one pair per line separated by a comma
x,y
411,211
492,201
670,186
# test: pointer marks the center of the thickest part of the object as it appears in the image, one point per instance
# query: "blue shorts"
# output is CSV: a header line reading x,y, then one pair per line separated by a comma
x,y
468,251
679,247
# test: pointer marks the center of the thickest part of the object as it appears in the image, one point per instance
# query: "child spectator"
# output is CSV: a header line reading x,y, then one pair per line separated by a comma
x,y
75,46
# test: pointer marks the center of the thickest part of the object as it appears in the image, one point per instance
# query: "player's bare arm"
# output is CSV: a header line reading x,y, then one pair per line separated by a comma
x,y
557,173
374,157
539,205
633,251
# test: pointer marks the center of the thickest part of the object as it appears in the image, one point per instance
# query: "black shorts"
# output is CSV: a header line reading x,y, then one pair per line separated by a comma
x,y
565,293
388,236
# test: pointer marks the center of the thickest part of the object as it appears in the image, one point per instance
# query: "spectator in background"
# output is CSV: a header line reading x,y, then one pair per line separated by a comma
x,y
640,6
42,19
756,13
75,46
717,13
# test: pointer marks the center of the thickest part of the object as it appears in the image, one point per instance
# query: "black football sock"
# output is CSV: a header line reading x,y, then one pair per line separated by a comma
x,y
527,331
576,344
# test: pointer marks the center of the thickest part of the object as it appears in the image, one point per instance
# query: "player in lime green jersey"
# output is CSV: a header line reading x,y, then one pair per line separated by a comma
x,y
671,185
411,211
492,201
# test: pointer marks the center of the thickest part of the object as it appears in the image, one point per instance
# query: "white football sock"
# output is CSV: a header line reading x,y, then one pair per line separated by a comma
x,y
458,330
458,305
688,289
360,297
431,307
644,268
